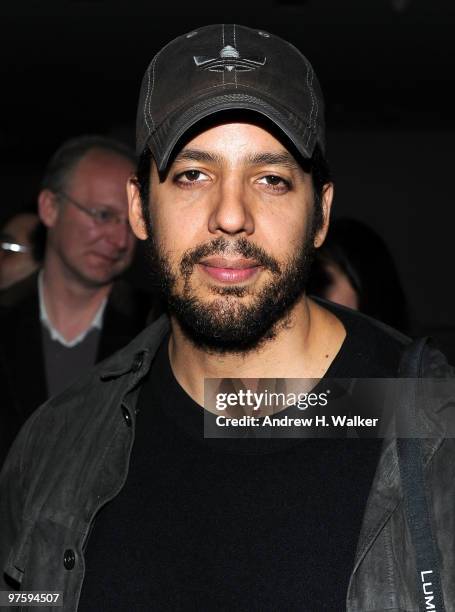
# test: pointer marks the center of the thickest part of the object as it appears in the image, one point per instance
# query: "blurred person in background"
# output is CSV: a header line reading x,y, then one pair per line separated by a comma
x,y
355,268
17,259
75,311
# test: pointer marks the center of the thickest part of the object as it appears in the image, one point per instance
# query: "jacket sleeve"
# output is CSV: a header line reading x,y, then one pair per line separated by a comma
x,y
435,364
13,527
10,418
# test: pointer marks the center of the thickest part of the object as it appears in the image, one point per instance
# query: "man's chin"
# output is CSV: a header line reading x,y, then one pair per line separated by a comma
x,y
221,299
224,339
224,324
97,278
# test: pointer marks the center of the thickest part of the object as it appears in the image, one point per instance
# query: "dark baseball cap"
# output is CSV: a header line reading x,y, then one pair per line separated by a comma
x,y
223,68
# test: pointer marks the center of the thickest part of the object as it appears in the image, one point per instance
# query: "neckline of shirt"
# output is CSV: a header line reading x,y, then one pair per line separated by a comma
x,y
96,322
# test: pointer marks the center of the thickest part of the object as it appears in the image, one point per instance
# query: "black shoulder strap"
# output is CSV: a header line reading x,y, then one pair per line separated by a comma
x,y
410,459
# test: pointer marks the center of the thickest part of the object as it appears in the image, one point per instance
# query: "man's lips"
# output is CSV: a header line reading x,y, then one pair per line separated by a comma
x,y
230,270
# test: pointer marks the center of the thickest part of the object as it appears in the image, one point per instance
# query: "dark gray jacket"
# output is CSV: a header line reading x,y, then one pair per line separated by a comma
x,y
72,457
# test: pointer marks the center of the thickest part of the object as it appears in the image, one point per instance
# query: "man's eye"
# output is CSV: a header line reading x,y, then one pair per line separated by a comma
x,y
191,176
276,182
104,215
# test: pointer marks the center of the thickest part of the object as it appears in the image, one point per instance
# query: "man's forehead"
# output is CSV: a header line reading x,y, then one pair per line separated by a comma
x,y
102,160
250,143
19,223
100,169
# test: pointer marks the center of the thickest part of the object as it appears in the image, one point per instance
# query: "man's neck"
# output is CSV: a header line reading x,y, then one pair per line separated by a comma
x,y
303,348
70,304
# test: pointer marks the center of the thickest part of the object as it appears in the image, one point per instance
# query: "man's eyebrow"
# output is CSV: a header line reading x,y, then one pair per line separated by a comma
x,y
256,159
198,155
275,159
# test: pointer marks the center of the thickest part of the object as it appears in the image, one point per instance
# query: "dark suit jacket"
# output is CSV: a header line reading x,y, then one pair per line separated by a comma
x,y
22,372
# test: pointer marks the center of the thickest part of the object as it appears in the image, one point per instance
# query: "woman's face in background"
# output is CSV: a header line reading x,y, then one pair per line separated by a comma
x,y
340,290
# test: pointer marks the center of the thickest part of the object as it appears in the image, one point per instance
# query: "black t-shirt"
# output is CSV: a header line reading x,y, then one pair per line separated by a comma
x,y
238,525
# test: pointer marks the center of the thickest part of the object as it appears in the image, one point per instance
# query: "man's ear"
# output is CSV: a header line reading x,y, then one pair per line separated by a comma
x,y
326,203
135,209
48,207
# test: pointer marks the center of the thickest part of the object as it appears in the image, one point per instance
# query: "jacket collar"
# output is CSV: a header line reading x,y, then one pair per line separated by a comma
x,y
137,356
385,493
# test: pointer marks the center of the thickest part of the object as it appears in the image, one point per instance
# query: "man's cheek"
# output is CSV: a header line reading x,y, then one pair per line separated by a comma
x,y
89,236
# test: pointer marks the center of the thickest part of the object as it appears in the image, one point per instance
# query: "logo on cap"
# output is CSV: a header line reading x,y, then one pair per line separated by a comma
x,y
229,59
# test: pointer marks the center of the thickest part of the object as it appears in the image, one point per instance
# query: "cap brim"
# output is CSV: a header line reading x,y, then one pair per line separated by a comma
x,y
166,137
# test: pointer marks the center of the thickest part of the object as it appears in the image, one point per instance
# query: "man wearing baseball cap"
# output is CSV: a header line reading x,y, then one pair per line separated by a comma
x,y
131,506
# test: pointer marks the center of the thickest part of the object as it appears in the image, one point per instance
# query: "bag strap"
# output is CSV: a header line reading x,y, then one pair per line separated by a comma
x,y
410,460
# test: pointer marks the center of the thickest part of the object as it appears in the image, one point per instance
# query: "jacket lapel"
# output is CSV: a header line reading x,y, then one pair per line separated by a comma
x,y
25,356
125,316
128,312
385,494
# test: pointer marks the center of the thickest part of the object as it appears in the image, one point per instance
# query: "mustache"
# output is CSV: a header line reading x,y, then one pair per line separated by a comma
x,y
221,246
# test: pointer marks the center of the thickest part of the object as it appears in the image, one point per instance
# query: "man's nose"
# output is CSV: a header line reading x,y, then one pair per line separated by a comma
x,y
231,213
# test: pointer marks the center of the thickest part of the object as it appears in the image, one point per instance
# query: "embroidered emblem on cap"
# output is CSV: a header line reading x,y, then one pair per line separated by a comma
x,y
229,59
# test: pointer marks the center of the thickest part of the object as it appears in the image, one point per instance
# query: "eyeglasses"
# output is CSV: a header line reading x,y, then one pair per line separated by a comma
x,y
13,247
104,217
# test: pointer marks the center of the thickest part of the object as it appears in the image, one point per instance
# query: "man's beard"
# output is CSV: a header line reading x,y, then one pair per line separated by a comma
x,y
225,325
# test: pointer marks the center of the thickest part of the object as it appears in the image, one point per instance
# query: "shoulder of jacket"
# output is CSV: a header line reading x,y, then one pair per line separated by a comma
x,y
102,387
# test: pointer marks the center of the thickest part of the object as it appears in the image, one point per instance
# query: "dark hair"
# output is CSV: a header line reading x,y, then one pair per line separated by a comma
x,y
362,255
319,169
65,159
143,176
317,166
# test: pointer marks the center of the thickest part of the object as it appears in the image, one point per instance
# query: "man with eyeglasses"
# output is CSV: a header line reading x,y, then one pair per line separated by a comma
x,y
73,312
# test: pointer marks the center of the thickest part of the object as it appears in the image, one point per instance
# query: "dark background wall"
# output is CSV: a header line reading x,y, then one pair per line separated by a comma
x,y
387,68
